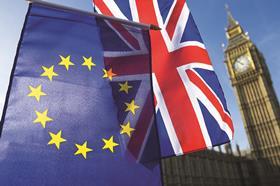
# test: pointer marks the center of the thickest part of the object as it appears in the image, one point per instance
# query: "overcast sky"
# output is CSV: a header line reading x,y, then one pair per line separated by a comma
x,y
259,17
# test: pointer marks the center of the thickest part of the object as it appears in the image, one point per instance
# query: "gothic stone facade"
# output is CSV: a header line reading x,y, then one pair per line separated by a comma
x,y
255,94
215,168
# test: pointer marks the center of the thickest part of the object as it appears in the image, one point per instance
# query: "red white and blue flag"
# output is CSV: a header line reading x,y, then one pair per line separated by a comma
x,y
191,110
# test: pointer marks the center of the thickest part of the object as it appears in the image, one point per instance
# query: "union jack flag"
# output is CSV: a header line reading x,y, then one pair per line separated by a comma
x,y
191,110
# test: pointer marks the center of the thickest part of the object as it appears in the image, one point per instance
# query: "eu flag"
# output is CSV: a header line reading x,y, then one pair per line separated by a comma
x,y
77,112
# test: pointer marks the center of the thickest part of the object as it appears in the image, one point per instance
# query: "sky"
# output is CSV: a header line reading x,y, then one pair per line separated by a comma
x,y
259,17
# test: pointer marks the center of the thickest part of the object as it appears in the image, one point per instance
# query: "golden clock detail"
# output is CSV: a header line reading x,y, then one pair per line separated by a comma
x,y
242,64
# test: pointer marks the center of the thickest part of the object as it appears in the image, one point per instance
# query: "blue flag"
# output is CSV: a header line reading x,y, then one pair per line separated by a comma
x,y
77,112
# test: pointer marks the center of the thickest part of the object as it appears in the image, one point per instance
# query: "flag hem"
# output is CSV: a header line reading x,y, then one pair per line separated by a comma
x,y
13,71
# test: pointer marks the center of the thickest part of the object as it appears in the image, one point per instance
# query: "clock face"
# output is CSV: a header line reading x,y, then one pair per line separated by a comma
x,y
242,64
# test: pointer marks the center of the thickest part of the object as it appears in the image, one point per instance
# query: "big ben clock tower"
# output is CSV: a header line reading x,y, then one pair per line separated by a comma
x,y
255,94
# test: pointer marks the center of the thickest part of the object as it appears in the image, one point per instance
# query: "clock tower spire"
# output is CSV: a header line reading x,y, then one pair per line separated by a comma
x,y
255,94
231,21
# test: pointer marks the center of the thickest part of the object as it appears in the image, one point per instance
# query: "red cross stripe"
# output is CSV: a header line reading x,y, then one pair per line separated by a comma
x,y
192,108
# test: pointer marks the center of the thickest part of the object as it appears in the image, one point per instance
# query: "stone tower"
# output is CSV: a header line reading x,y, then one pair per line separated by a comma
x,y
256,97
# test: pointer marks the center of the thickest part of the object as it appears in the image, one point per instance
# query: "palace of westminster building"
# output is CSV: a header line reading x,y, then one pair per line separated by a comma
x,y
260,112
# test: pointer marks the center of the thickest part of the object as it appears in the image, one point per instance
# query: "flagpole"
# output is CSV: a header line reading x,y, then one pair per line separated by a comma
x,y
109,18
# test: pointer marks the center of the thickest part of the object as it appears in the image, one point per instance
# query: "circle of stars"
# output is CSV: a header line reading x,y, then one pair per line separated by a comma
x,y
43,119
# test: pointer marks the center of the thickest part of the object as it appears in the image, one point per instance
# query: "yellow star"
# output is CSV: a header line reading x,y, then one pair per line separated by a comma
x,y
88,62
36,92
127,129
42,118
83,149
49,72
124,87
56,139
65,61
109,74
109,144
131,107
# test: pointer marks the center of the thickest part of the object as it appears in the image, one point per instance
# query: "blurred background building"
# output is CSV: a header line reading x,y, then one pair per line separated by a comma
x,y
260,112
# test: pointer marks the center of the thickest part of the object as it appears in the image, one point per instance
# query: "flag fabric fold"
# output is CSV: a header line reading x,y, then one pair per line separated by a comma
x,y
75,114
